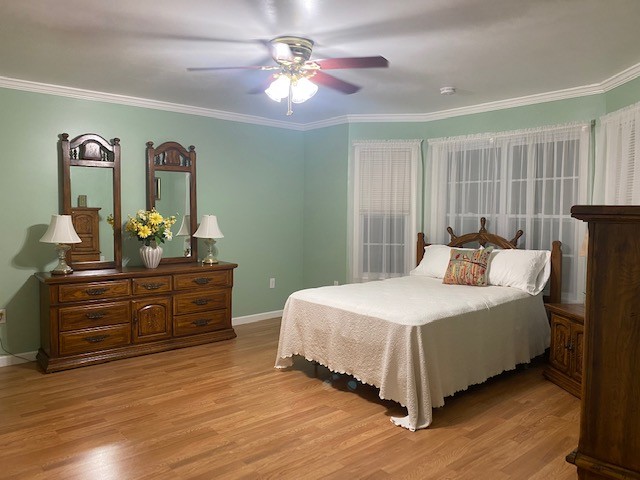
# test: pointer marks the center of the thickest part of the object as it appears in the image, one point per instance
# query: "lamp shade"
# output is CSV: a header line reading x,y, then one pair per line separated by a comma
x,y
279,88
208,228
183,231
303,90
60,231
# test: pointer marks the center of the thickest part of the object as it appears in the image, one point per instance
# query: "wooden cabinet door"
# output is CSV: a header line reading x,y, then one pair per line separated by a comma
x,y
577,342
86,223
151,319
560,339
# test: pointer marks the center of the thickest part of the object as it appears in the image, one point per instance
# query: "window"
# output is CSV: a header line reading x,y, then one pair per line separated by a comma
x,y
383,203
525,180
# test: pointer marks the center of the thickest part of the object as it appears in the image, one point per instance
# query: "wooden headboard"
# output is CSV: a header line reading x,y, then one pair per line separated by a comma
x,y
483,237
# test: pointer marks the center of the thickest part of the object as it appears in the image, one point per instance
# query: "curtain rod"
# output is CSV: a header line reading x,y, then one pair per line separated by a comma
x,y
512,133
372,141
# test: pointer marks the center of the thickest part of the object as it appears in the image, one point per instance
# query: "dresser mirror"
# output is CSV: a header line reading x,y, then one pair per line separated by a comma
x,y
171,190
91,195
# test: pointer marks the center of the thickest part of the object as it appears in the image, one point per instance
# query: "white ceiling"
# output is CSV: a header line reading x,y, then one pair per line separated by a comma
x,y
490,50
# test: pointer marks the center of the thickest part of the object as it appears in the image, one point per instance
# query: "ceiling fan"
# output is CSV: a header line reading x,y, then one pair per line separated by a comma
x,y
296,76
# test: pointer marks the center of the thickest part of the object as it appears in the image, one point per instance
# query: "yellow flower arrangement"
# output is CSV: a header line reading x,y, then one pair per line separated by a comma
x,y
149,226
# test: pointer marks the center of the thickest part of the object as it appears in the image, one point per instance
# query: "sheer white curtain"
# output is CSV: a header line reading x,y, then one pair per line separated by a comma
x,y
617,163
384,186
526,179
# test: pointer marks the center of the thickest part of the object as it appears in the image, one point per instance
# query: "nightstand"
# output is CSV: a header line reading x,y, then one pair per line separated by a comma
x,y
566,350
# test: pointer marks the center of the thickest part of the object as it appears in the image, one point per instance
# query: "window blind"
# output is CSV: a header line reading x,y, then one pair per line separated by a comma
x,y
383,205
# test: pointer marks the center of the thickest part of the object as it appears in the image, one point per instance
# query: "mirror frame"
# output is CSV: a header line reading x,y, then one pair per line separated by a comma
x,y
173,157
91,150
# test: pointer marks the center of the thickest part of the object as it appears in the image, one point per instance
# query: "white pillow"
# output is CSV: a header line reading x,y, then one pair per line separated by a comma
x,y
435,261
527,270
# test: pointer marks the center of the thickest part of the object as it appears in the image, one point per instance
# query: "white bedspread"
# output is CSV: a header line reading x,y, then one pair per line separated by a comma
x,y
413,337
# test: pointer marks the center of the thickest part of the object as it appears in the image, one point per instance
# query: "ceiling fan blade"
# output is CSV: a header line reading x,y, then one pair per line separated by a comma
x,y
353,62
199,38
330,81
248,67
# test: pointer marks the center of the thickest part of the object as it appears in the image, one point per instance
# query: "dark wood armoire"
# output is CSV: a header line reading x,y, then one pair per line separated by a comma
x,y
609,444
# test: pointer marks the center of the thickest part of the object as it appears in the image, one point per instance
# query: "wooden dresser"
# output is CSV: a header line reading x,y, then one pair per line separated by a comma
x,y
567,341
95,316
86,222
609,444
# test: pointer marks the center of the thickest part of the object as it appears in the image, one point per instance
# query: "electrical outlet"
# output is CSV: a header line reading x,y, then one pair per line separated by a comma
x,y
3,315
272,283
335,282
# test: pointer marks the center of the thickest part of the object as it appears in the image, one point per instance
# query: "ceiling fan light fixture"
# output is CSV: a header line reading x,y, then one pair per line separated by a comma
x,y
302,90
281,51
292,48
279,88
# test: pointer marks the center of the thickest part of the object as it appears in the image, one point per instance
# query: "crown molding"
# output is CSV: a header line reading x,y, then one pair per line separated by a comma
x,y
483,107
81,94
621,78
610,83
329,122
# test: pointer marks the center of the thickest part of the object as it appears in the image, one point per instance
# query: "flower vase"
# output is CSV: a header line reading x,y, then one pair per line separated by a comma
x,y
151,255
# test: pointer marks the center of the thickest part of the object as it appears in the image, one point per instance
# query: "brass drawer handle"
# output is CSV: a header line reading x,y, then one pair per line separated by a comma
x,y
95,291
201,301
96,339
202,322
202,280
152,286
95,315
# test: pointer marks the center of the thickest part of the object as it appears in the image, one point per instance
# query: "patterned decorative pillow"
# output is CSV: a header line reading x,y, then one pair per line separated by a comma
x,y
468,267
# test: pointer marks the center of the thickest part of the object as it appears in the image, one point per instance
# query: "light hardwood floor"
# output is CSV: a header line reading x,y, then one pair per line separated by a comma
x,y
222,411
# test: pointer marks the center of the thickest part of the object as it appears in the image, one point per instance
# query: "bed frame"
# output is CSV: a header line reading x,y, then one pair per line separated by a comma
x,y
483,237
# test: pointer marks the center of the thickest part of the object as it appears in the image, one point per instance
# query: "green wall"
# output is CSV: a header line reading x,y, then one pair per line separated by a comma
x,y
622,96
280,195
326,187
250,176
326,152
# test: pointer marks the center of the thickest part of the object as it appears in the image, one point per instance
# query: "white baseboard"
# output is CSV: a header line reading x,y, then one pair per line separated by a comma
x,y
256,317
7,360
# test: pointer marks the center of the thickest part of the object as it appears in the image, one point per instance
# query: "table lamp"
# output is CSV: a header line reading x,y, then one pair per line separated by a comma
x,y
209,230
61,232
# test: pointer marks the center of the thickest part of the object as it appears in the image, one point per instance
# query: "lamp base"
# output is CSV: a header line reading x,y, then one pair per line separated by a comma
x,y
62,268
210,259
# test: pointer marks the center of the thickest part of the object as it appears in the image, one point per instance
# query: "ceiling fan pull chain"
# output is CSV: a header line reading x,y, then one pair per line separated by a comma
x,y
289,109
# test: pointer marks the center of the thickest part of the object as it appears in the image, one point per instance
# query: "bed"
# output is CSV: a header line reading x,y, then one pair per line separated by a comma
x,y
419,340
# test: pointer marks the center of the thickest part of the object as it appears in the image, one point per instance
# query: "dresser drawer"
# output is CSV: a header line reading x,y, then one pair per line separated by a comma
x,y
188,281
94,339
94,290
200,301
201,322
151,285
95,315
